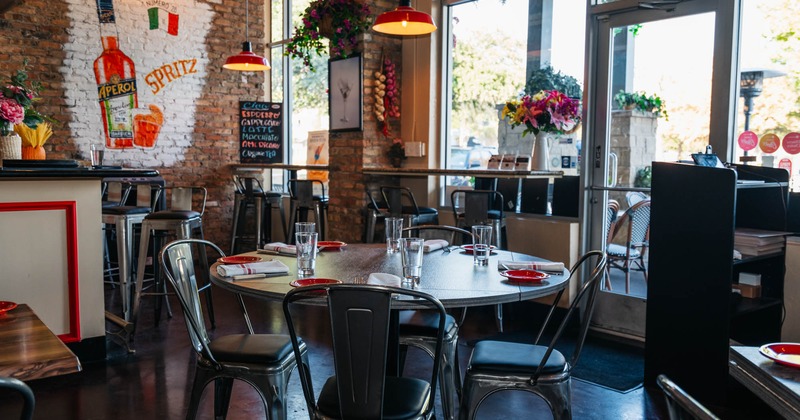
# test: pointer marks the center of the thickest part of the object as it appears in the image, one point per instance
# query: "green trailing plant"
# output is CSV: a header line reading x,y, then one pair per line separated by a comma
x,y
548,79
643,177
642,102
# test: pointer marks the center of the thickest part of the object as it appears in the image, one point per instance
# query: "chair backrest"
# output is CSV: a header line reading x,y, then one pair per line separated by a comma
x,y
680,405
397,198
117,192
29,401
637,218
612,211
510,190
583,303
248,185
453,235
146,193
633,197
178,263
302,191
566,196
376,201
359,316
183,198
476,205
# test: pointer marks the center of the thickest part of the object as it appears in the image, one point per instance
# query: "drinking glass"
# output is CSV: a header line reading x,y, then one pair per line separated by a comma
x,y
394,229
305,227
411,249
481,240
98,150
306,244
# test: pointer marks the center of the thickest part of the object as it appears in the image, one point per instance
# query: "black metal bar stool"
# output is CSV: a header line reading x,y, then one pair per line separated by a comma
x,y
402,203
303,200
481,207
250,193
375,211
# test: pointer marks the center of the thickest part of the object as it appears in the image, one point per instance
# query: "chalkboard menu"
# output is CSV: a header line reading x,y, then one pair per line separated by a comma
x,y
260,132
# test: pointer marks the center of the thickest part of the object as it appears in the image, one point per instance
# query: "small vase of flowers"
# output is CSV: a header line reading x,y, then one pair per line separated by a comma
x,y
16,107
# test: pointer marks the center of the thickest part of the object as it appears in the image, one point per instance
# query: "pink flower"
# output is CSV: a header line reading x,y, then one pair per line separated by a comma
x,y
11,111
315,14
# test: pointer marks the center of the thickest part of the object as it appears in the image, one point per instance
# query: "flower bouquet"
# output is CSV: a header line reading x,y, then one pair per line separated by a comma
x,y
16,107
549,111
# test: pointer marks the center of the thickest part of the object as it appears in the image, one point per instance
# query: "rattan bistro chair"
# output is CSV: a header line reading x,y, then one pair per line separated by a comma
x,y
497,365
360,324
631,255
265,361
682,406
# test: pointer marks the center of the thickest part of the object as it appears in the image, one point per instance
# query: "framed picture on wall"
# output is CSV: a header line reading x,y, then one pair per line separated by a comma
x,y
345,94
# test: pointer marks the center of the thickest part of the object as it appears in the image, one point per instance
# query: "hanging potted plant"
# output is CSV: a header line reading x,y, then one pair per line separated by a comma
x,y
342,21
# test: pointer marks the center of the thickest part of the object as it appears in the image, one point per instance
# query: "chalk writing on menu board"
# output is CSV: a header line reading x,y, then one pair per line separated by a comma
x,y
260,132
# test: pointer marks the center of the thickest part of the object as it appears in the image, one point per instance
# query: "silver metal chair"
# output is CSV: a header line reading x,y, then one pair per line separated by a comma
x,y
496,365
265,361
682,406
28,399
360,323
631,256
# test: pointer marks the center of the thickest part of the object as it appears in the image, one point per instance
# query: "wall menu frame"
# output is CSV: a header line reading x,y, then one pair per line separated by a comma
x,y
345,94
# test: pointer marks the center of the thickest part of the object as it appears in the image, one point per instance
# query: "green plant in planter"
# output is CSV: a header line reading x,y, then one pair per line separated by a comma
x,y
643,177
642,102
546,78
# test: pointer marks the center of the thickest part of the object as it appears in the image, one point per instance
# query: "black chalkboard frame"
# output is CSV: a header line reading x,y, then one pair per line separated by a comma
x,y
260,147
344,109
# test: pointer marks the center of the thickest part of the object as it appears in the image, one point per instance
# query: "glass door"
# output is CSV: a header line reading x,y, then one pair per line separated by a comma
x,y
651,100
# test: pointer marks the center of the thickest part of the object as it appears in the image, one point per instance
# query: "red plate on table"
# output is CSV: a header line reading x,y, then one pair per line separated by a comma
x,y
313,282
524,276
330,245
6,306
238,259
468,248
787,354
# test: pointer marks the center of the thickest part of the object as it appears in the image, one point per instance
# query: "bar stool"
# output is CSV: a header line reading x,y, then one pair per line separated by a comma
x,y
402,203
181,221
375,211
304,200
481,207
124,219
250,193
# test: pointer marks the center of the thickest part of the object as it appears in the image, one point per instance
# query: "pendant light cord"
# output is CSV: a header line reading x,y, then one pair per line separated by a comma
x,y
247,20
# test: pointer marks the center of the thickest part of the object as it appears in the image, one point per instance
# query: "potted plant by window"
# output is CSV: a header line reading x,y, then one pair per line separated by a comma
x,y
549,79
342,21
643,102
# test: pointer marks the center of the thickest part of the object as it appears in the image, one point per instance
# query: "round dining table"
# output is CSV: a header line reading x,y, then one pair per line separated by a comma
x,y
450,276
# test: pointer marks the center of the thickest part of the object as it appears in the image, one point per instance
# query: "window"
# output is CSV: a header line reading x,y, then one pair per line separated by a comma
x,y
493,47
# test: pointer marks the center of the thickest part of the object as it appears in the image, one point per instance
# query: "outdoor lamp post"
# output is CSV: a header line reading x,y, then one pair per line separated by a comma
x,y
751,84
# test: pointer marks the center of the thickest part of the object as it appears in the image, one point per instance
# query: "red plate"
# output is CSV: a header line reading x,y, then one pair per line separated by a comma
x,y
6,306
468,248
524,276
787,354
313,282
331,245
238,259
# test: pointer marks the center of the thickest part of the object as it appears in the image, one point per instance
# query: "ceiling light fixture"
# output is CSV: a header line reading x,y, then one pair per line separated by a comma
x,y
246,60
404,20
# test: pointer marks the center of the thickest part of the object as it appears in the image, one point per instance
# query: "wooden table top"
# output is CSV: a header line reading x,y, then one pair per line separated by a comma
x,y
452,278
777,385
29,350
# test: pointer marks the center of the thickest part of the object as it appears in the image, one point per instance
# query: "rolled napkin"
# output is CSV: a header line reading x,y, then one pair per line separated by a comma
x,y
383,279
263,267
434,244
549,266
281,248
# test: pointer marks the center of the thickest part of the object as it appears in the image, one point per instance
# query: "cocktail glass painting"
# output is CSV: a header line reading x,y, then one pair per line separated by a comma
x,y
345,94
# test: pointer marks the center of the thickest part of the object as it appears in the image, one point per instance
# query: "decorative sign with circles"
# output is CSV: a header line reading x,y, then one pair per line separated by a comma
x,y
769,143
791,143
748,140
785,163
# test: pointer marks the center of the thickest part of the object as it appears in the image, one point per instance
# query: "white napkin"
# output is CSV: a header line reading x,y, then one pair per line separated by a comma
x,y
383,279
281,248
434,244
557,267
263,267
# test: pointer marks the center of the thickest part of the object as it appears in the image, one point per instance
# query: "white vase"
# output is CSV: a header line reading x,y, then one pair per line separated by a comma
x,y
541,152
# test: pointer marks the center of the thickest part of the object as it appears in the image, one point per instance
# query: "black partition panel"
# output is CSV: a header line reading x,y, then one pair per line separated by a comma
x,y
534,197
566,193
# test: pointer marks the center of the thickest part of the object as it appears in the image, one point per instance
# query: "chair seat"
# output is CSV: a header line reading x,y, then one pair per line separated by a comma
x,y
403,398
424,323
502,356
251,348
125,210
492,215
615,250
173,215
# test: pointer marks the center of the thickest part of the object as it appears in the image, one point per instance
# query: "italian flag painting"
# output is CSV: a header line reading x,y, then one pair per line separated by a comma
x,y
161,19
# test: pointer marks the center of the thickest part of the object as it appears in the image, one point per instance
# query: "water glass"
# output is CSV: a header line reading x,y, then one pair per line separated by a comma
x,y
98,150
394,230
306,244
305,227
481,244
411,249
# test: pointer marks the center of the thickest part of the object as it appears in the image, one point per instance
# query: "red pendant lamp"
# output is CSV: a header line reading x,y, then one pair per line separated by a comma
x,y
404,20
246,60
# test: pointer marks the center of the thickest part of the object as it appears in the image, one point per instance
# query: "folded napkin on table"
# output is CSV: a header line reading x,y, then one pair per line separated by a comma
x,y
383,279
557,267
281,248
434,244
263,267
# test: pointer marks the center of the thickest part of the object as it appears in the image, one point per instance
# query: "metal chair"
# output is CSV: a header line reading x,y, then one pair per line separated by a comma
x,y
480,207
28,400
633,197
637,221
248,193
360,325
265,361
496,365
304,200
402,203
612,213
682,406
375,211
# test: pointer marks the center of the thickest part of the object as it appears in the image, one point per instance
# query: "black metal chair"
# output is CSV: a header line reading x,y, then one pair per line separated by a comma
x,y
680,405
28,400
631,255
265,361
376,211
497,365
402,203
360,324
248,192
304,200
481,207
